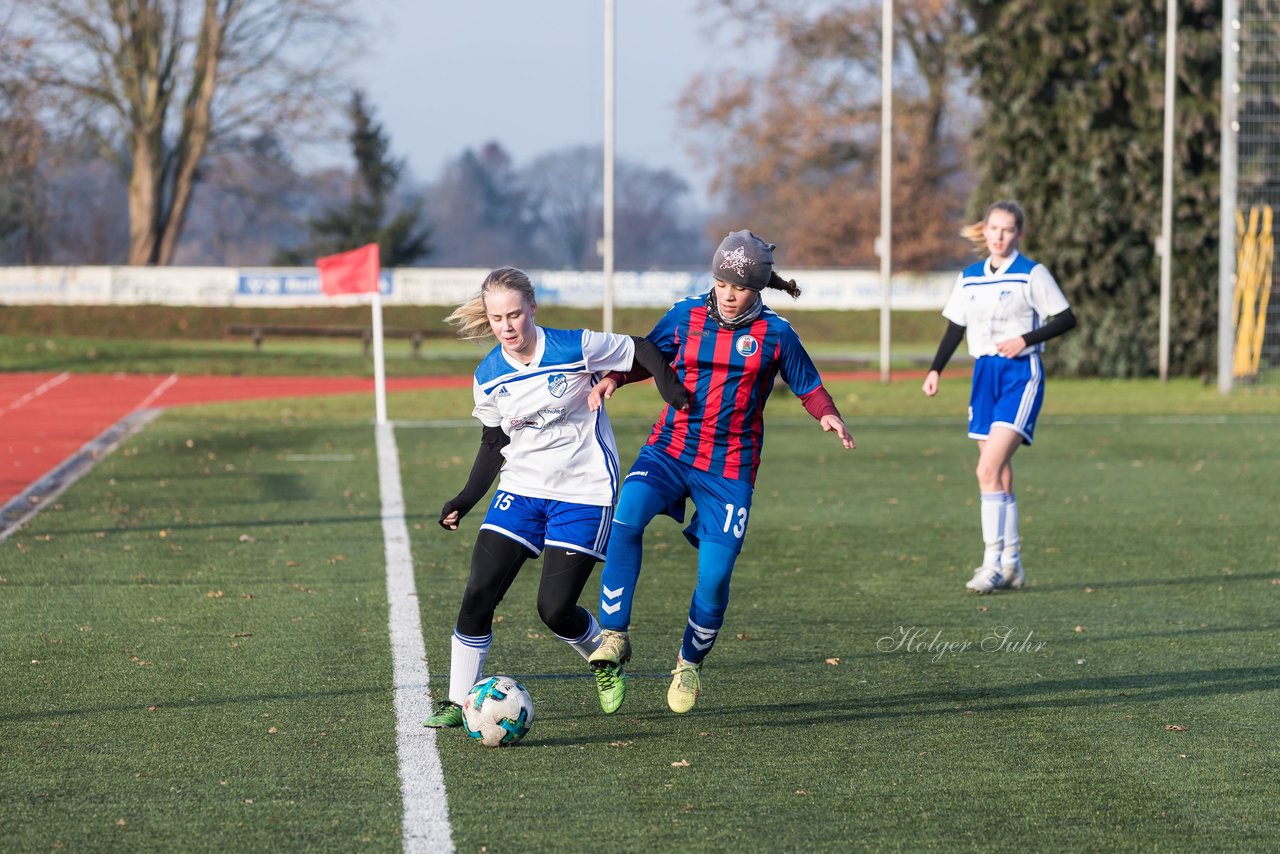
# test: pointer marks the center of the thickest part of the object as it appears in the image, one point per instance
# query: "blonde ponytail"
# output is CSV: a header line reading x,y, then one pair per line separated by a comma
x,y
974,231
472,317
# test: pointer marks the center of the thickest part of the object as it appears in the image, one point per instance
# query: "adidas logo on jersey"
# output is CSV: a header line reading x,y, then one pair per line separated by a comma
x,y
502,392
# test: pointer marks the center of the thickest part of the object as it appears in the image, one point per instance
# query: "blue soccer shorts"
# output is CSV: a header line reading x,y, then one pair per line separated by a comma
x,y
1006,393
537,523
722,506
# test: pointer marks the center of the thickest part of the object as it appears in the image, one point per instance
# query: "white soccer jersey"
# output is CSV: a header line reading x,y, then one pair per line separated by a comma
x,y
995,307
559,448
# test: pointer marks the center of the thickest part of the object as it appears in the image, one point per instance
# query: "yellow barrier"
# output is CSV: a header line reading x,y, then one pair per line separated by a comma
x,y
1255,252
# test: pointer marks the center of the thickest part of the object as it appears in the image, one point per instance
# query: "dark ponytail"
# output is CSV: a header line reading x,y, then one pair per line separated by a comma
x,y
778,283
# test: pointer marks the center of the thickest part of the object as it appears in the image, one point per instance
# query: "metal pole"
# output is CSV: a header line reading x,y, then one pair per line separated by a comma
x,y
606,240
884,244
1227,192
379,361
1165,245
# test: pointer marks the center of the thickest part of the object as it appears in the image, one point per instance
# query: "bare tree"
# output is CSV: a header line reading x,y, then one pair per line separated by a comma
x,y
566,190
796,148
163,80
21,140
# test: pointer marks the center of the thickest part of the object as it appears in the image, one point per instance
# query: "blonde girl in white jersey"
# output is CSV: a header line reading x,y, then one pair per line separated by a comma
x,y
556,464
1001,306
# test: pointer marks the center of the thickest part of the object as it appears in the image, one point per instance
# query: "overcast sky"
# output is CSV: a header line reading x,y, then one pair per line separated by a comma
x,y
446,75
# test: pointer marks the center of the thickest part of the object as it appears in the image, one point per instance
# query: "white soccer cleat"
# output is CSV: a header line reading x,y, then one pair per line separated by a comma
x,y
1014,577
985,579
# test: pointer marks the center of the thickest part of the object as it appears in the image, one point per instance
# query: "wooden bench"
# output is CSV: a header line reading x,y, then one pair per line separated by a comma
x,y
259,331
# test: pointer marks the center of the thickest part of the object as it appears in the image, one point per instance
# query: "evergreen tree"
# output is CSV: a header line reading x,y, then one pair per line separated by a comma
x,y
401,239
1074,130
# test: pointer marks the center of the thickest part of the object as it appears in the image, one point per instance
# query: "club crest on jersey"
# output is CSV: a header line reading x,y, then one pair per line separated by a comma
x,y
557,384
746,346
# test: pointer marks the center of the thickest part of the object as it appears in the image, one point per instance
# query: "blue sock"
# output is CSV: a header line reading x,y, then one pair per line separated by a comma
x,y
636,508
710,599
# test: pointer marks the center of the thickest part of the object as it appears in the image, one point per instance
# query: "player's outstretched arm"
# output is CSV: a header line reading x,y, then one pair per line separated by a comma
x,y
651,360
951,339
835,424
601,392
483,472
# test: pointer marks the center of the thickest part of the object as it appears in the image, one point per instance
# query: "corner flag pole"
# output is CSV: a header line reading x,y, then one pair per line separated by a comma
x,y
379,365
358,271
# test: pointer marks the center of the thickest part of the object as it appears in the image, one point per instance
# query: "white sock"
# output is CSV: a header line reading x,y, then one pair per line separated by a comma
x,y
1009,557
587,642
993,504
466,663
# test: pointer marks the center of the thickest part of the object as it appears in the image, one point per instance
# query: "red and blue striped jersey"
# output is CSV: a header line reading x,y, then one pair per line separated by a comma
x,y
730,373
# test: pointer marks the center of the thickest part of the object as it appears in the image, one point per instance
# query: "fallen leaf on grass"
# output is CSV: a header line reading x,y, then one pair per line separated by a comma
x,y
272,730
834,662
1079,629
1174,728
248,538
153,708
214,594
683,763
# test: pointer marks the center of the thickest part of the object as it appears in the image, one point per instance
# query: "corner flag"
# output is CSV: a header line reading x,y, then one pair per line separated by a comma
x,y
353,272
356,272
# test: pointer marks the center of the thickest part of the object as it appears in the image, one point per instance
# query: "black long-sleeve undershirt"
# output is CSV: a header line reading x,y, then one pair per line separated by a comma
x,y
483,471
649,362
1063,321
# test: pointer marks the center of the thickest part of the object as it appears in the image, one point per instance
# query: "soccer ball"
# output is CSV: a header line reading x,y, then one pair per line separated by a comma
x,y
498,711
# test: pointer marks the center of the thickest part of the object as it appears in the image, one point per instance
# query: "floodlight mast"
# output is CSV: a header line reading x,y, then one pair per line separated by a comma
x,y
1227,192
1165,244
606,239
884,243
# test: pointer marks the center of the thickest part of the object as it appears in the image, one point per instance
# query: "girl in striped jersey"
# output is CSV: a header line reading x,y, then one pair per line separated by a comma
x,y
559,469
1002,303
727,348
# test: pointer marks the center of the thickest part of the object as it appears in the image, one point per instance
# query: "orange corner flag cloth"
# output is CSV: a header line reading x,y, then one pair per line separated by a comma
x,y
353,272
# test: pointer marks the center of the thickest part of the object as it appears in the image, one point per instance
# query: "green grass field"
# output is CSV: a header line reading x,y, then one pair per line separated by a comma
x,y
197,654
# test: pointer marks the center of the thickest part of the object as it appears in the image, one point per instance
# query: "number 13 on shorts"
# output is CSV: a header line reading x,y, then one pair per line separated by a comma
x,y
735,520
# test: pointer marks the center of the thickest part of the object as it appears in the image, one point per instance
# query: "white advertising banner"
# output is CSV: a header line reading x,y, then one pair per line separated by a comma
x,y
290,287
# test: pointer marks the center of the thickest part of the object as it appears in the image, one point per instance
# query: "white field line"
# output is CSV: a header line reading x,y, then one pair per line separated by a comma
x,y
37,391
157,391
425,826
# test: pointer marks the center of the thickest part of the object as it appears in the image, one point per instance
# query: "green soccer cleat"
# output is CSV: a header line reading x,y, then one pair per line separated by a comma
x,y
448,715
686,684
606,665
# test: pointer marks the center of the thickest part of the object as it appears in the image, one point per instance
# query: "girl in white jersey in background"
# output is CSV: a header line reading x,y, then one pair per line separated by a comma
x,y
560,478
1003,304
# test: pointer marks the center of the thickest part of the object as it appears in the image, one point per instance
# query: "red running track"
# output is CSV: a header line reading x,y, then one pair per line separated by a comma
x,y
46,418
